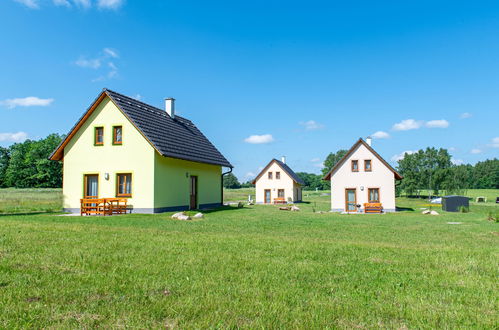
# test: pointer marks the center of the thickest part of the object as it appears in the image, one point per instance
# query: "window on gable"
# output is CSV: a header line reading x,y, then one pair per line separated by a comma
x,y
99,136
124,185
117,135
367,165
373,195
270,175
355,165
277,175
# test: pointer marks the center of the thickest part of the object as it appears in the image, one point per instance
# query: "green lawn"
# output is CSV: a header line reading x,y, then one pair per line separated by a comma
x,y
252,267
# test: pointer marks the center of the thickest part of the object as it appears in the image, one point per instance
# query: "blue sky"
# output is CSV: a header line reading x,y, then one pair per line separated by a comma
x,y
263,78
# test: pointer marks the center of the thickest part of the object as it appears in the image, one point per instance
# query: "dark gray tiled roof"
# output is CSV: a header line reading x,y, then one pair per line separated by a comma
x,y
291,173
176,138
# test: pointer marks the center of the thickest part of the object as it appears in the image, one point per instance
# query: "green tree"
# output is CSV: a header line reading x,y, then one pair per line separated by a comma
x,y
486,174
4,164
312,181
231,182
332,159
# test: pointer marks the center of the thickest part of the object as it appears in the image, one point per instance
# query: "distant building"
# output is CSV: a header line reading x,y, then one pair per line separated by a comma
x,y
124,148
277,183
362,176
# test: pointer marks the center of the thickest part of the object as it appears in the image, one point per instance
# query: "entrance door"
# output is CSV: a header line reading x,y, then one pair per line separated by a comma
x,y
267,196
194,193
350,200
91,186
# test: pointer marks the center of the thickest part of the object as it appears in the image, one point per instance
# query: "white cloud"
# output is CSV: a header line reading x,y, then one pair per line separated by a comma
x,y
83,3
457,161
114,70
111,52
31,4
319,165
407,124
401,155
315,160
495,142
465,115
30,101
13,137
138,97
439,123
250,175
110,4
312,125
476,151
259,139
380,135
90,63
64,3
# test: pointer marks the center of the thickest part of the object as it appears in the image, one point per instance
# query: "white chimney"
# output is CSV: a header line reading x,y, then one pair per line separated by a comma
x,y
369,140
170,106
283,159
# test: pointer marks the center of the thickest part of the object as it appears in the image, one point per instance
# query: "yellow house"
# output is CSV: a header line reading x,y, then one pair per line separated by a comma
x,y
277,181
159,161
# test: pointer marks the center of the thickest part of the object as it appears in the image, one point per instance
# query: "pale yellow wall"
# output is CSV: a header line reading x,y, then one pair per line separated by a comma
x,y
134,156
285,182
381,177
172,182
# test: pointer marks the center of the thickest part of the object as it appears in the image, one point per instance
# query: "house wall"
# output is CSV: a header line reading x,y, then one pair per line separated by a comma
x,y
381,177
172,184
285,182
134,156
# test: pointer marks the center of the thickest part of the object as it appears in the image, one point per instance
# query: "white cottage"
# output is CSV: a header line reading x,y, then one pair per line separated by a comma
x,y
277,183
362,177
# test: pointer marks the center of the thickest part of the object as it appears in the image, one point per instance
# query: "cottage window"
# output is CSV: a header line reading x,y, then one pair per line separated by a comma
x,y
99,136
277,175
270,175
124,185
367,165
117,135
280,192
355,165
373,195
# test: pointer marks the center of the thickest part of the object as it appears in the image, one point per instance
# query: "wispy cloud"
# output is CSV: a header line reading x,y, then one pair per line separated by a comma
x,y
85,4
495,142
259,139
110,4
250,175
439,123
138,97
465,115
380,135
31,4
94,63
401,155
103,60
13,137
407,124
476,151
30,101
312,125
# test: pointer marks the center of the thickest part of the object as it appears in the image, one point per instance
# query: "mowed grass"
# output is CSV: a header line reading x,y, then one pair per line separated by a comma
x,y
251,267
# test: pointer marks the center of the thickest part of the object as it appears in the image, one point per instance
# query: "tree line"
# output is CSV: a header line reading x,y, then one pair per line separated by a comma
x,y
26,164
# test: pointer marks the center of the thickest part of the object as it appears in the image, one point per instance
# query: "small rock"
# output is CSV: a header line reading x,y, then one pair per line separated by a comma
x,y
295,208
177,215
453,223
184,217
199,215
426,212
434,213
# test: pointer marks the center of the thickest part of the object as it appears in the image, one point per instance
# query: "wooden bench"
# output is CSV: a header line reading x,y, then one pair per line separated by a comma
x,y
279,200
373,208
103,206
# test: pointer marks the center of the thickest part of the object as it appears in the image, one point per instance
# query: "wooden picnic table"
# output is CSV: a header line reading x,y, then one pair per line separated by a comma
x,y
103,206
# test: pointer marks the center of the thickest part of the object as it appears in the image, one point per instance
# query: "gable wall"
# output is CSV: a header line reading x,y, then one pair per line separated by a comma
x,y
286,183
381,177
135,156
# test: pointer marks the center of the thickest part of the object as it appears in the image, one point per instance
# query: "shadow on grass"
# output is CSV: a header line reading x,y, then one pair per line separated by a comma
x,y
400,209
225,208
27,213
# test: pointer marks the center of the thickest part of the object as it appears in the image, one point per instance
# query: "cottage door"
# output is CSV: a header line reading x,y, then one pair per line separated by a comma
x,y
193,193
267,196
91,186
350,200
